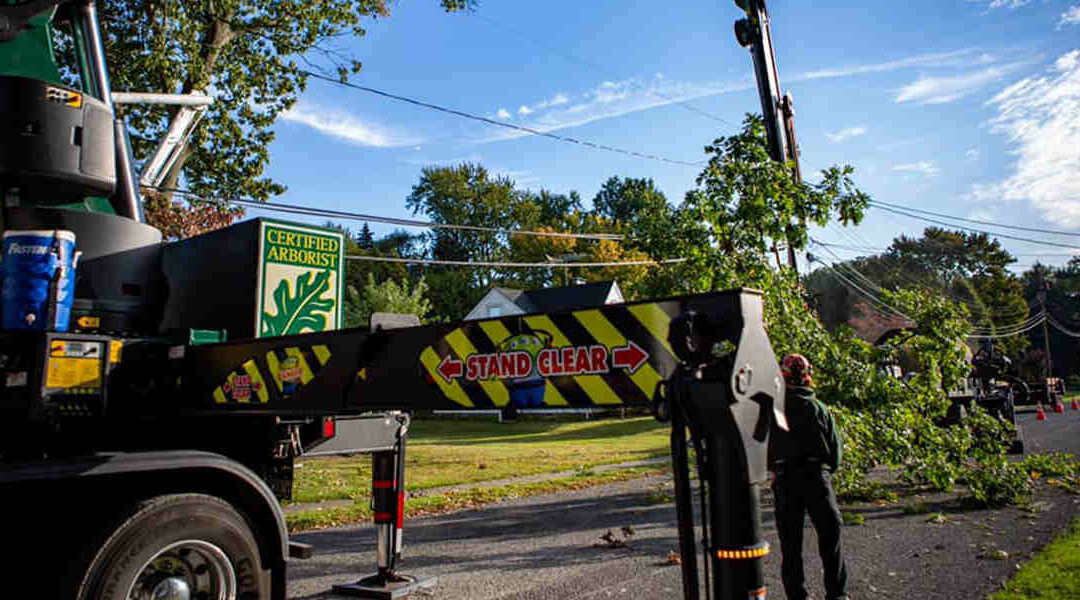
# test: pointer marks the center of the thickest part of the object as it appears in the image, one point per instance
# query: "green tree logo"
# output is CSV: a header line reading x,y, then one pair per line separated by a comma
x,y
307,309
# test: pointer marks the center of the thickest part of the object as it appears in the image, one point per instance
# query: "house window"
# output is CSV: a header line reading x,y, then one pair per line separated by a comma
x,y
494,311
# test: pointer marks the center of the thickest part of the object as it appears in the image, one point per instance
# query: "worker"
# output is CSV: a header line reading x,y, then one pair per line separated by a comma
x,y
800,462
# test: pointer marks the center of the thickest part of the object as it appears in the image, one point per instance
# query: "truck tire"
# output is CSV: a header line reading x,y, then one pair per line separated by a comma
x,y
174,544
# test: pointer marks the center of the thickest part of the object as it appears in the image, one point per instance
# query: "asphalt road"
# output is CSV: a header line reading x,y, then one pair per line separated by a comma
x,y
546,547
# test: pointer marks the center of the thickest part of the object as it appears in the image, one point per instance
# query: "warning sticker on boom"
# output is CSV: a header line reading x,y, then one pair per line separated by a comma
x,y
604,356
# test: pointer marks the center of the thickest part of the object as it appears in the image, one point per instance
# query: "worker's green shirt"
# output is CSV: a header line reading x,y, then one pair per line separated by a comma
x,y
812,434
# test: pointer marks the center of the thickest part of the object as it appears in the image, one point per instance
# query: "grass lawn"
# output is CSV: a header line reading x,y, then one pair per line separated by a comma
x,y
1054,573
360,511
450,452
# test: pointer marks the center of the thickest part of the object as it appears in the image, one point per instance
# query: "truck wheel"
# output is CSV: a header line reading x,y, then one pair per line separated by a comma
x,y
178,547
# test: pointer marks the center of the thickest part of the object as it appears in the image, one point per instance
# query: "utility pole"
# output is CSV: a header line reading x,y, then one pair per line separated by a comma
x,y
1043,286
777,109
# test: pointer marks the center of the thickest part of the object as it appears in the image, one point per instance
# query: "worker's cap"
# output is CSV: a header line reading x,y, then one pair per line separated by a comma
x,y
797,370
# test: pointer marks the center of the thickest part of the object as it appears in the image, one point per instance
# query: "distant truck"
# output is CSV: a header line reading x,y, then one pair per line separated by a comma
x,y
1042,388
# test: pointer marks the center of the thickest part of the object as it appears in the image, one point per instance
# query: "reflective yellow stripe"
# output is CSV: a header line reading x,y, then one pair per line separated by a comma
x,y
256,377
494,388
322,353
305,371
219,396
655,320
598,391
498,332
275,368
451,390
600,328
362,373
552,396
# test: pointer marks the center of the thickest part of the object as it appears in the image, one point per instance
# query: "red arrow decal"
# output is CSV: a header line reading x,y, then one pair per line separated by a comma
x,y
449,368
630,356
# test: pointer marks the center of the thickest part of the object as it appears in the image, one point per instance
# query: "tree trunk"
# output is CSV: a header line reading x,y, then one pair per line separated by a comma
x,y
219,36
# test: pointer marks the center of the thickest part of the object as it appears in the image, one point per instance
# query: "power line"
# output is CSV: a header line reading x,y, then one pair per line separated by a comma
x,y
881,204
322,212
498,123
1009,334
519,265
946,224
1056,325
971,306
853,286
883,249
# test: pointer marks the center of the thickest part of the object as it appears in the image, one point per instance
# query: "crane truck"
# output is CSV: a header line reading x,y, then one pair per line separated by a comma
x,y
155,394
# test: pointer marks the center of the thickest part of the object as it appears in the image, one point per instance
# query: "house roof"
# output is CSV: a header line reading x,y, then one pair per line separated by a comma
x,y
560,299
569,297
518,297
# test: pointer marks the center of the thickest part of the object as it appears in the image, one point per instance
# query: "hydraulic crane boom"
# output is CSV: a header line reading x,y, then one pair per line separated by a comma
x,y
777,109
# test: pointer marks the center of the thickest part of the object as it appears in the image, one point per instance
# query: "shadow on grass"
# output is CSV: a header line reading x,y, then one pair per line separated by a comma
x,y
470,432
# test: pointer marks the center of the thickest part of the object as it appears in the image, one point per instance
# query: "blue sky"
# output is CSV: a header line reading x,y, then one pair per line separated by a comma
x,y
967,107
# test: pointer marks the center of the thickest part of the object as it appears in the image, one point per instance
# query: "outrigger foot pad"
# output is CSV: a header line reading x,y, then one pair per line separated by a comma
x,y
386,587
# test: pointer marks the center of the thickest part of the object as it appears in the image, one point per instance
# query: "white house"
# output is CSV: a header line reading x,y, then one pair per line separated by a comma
x,y
501,302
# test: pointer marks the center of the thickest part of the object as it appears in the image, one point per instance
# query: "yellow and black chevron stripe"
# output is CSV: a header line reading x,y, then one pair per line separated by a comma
x,y
295,365
612,326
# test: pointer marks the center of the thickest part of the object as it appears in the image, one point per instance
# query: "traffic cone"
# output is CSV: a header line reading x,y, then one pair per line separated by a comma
x,y
1059,408
1039,414
1075,404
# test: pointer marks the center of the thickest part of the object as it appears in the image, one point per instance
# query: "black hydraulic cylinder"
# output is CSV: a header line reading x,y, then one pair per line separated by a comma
x,y
735,524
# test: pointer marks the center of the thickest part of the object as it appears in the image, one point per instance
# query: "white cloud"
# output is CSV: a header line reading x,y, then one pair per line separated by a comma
x,y
924,167
1040,117
443,162
848,132
520,178
1070,17
982,214
1011,4
972,154
940,90
528,109
609,99
504,114
953,58
349,128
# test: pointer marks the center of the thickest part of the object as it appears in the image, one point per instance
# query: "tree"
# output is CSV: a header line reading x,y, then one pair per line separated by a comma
x,y
950,256
397,244
365,240
1061,287
626,202
250,55
468,195
752,203
389,296
178,220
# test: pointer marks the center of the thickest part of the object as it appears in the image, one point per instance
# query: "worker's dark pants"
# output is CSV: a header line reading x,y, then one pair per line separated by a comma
x,y
801,490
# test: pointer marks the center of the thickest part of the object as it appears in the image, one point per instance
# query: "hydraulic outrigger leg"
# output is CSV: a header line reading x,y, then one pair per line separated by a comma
x,y
388,506
727,403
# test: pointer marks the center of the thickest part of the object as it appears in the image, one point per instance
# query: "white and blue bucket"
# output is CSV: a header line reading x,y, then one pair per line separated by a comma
x,y
38,269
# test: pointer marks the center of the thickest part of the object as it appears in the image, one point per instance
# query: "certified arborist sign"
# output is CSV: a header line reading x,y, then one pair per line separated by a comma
x,y
300,279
